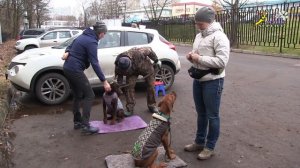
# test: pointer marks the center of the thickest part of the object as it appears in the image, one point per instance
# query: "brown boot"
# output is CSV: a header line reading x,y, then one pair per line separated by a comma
x,y
193,147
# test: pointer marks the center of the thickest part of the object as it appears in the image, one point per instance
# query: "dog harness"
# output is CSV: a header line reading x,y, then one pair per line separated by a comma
x,y
108,99
150,138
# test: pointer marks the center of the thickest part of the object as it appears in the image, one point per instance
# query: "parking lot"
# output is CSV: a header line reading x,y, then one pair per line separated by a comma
x,y
260,121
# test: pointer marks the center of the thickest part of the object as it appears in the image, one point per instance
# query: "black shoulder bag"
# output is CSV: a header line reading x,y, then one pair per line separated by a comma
x,y
199,73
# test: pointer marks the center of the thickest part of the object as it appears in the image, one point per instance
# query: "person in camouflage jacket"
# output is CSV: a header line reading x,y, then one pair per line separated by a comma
x,y
132,63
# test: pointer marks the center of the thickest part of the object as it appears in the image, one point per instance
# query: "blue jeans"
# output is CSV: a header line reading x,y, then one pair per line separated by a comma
x,y
207,98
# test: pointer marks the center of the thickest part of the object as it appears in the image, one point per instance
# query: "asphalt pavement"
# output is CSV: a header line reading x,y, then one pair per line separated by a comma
x,y
260,121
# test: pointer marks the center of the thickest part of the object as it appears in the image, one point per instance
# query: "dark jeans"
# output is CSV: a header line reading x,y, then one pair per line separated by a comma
x,y
207,98
82,91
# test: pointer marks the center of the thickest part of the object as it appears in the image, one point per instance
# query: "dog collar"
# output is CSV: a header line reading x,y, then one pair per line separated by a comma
x,y
161,116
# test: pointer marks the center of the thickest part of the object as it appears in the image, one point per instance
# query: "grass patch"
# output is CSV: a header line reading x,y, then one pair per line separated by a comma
x,y
275,50
6,136
7,52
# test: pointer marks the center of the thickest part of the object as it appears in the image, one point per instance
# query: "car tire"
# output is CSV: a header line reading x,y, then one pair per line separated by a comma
x,y
52,88
167,75
30,47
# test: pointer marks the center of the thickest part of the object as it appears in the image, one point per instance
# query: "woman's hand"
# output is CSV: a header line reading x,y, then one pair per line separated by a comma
x,y
192,57
195,57
65,56
107,87
189,57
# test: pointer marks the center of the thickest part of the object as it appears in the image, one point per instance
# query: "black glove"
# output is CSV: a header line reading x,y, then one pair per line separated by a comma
x,y
157,65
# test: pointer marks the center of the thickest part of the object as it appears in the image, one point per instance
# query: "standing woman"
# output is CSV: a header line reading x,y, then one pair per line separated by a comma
x,y
79,56
210,54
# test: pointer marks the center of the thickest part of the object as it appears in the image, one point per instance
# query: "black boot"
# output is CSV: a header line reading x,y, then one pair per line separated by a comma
x,y
78,125
89,129
153,109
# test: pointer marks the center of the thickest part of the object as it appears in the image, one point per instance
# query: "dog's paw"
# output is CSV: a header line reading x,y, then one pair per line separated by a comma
x,y
112,122
172,156
105,121
172,151
162,165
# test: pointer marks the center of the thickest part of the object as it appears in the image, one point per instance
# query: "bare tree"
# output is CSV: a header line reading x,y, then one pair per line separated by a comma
x,y
217,6
37,11
103,9
10,12
84,4
233,6
155,8
41,11
97,9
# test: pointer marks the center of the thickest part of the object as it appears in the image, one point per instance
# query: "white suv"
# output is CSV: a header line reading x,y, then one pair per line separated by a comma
x,y
49,38
39,71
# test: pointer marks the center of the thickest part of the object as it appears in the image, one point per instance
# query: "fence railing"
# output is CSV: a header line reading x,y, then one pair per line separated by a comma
x,y
269,25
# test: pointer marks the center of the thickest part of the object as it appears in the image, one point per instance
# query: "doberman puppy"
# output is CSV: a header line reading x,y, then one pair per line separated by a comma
x,y
112,105
145,148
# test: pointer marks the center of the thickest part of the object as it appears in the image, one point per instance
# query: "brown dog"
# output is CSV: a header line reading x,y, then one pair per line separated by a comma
x,y
145,148
113,106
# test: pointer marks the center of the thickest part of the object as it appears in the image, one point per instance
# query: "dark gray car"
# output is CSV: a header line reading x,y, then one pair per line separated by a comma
x,y
30,33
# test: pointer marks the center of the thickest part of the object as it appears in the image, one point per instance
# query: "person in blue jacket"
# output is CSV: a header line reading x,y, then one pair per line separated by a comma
x,y
79,56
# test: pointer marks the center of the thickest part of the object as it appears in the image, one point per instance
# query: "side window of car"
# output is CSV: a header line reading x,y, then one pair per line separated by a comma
x,y
75,32
136,38
111,39
64,34
50,36
29,32
38,32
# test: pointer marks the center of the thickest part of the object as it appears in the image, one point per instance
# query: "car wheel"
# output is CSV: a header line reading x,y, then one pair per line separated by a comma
x,y
30,47
165,74
52,88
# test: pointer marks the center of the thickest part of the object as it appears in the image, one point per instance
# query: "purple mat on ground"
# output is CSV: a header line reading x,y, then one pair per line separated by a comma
x,y
129,123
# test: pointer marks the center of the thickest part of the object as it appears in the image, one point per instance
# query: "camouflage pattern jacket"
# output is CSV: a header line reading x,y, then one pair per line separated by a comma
x,y
140,61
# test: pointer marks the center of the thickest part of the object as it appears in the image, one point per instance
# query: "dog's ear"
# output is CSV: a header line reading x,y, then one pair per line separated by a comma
x,y
159,104
166,104
169,105
174,93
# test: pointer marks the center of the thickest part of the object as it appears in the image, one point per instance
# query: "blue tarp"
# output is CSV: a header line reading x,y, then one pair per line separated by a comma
x,y
134,18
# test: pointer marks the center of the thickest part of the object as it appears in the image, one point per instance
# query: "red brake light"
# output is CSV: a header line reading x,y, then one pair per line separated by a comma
x,y
172,46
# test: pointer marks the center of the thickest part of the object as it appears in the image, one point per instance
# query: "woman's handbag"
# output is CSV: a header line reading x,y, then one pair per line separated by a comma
x,y
199,73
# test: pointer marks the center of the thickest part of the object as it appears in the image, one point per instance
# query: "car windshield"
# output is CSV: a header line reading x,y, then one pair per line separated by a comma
x,y
66,43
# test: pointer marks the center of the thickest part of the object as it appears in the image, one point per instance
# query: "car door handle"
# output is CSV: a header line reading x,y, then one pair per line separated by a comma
x,y
55,41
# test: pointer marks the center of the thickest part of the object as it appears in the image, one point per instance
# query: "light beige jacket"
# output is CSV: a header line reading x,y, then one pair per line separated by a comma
x,y
214,47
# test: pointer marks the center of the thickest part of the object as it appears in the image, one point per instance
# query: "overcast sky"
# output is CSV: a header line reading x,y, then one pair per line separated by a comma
x,y
66,3
74,4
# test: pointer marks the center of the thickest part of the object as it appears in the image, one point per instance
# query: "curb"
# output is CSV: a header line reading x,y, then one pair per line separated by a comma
x,y
265,54
250,52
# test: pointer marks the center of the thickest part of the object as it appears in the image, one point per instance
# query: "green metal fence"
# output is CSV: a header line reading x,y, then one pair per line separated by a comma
x,y
270,25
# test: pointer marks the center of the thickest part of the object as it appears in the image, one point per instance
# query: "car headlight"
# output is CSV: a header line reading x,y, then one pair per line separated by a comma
x,y
18,43
13,70
12,64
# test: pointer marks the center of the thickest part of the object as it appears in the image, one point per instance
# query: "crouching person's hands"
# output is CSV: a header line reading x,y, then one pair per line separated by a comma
x,y
157,65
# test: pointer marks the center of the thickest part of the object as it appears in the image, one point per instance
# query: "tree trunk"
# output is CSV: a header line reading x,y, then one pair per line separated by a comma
x,y
234,26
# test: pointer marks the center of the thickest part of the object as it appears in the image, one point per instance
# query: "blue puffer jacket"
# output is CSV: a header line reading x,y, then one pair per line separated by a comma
x,y
83,52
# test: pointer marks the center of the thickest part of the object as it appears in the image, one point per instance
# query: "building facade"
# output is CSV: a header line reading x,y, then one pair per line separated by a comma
x,y
186,8
59,23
